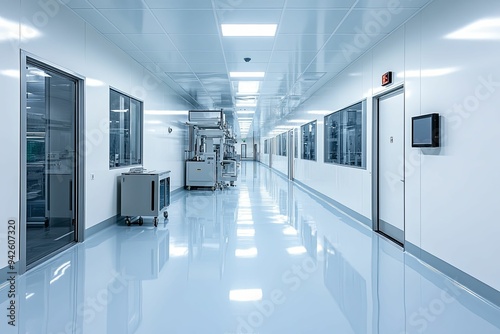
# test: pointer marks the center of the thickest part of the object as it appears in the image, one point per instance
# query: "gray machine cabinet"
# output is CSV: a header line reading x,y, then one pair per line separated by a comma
x,y
201,173
145,194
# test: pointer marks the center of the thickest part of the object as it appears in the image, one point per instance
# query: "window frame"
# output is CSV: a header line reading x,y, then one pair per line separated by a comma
x,y
342,137
312,131
139,126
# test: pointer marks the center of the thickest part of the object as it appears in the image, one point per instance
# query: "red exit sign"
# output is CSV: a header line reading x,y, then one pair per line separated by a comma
x,y
386,78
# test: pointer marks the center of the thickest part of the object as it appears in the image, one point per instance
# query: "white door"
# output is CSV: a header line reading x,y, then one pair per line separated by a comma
x,y
391,165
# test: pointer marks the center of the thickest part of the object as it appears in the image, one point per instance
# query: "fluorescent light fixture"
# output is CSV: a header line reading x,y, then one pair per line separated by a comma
x,y
154,122
245,112
245,118
29,295
245,295
248,252
484,29
249,30
247,74
296,250
248,87
119,110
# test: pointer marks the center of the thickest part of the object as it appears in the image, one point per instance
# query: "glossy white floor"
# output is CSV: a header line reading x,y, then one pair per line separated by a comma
x,y
262,257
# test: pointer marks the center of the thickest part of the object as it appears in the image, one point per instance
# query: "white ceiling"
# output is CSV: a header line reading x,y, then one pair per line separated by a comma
x,y
180,41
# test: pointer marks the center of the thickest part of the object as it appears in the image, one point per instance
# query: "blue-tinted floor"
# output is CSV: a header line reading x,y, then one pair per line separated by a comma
x,y
262,257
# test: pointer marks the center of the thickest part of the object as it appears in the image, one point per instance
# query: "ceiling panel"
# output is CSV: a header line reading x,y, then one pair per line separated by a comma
x,y
248,16
310,21
321,4
256,56
151,42
133,21
241,4
179,4
78,4
118,4
139,56
204,56
174,67
300,42
123,42
237,44
391,4
208,67
178,41
187,21
165,56
246,67
97,21
209,43
374,22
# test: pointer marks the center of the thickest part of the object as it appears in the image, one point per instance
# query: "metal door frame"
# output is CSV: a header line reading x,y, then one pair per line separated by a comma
x,y
243,157
79,190
375,160
290,151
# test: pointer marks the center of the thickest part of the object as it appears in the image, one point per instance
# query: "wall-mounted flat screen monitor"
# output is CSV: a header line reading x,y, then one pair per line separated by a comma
x,y
425,131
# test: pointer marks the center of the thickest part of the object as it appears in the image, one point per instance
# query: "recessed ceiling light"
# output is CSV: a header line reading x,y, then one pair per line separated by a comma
x,y
248,87
249,30
247,74
245,112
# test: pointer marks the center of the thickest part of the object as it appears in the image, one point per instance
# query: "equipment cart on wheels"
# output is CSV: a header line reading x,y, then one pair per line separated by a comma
x,y
144,193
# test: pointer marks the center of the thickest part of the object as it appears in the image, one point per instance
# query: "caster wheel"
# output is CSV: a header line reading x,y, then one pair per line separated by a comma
x,y
165,214
155,222
189,188
141,221
127,221
213,188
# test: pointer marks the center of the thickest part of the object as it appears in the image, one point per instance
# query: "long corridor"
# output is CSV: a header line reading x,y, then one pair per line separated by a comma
x,y
263,257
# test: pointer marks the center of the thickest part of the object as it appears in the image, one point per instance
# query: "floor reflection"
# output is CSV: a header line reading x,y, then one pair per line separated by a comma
x,y
262,257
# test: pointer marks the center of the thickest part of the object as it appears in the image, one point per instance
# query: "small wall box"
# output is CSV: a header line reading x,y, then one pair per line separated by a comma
x,y
425,131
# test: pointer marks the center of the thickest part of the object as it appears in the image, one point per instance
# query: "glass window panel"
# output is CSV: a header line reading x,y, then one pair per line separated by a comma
x,y
309,141
345,137
125,130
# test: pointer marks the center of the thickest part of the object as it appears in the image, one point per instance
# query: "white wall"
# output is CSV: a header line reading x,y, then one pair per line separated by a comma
x,y
451,201
56,35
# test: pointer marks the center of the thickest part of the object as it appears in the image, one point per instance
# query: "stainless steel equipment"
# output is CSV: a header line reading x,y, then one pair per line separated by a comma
x,y
145,194
210,157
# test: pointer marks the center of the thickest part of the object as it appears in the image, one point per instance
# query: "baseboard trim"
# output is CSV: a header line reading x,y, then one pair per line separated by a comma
x,y
350,212
480,289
